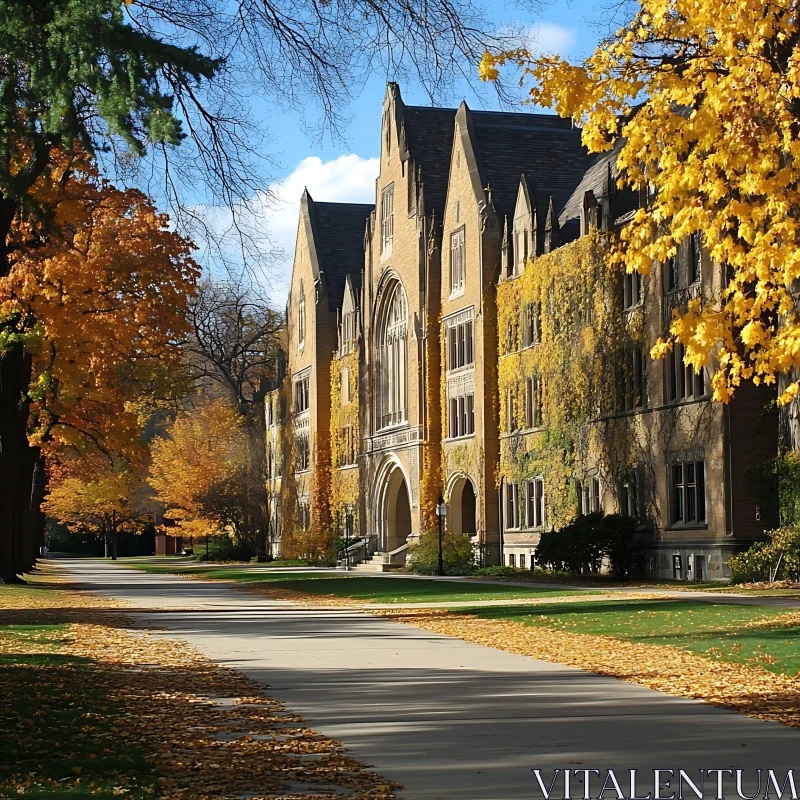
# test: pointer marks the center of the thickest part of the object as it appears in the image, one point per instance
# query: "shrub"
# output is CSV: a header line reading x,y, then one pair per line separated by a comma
x,y
458,554
582,546
754,564
224,549
496,572
776,559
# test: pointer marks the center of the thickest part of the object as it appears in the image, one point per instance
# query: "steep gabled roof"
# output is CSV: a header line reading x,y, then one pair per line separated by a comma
x,y
543,147
429,142
338,231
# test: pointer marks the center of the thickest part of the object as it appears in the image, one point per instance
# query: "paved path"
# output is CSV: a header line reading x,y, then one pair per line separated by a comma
x,y
445,718
682,594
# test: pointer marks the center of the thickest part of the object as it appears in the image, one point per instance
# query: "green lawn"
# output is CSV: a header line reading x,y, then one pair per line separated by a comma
x,y
57,725
714,630
373,589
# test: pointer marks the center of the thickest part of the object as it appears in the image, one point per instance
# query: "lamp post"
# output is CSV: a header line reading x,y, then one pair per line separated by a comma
x,y
441,513
348,523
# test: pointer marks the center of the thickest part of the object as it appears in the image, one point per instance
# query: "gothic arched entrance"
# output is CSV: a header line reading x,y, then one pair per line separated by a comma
x,y
462,512
393,508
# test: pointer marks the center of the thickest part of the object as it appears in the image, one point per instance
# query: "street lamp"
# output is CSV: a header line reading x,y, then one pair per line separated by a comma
x,y
348,524
441,513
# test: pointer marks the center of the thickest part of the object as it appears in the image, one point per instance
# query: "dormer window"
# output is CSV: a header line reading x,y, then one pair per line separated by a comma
x,y
387,219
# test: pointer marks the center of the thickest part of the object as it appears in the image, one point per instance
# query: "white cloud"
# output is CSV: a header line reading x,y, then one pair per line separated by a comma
x,y
346,179
550,38
269,219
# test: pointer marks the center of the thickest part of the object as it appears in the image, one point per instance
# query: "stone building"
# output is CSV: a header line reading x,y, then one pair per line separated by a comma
x,y
464,339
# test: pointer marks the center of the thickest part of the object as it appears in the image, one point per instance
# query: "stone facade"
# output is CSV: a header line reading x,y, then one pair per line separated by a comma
x,y
406,385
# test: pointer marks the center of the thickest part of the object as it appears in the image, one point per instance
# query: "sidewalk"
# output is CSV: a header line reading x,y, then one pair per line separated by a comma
x,y
445,718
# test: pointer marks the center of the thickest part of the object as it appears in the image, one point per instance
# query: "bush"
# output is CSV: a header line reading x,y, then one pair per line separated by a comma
x,y
582,546
341,544
777,559
496,572
458,554
224,549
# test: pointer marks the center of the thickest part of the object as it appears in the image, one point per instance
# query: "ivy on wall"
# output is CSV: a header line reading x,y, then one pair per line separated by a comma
x,y
344,483
578,363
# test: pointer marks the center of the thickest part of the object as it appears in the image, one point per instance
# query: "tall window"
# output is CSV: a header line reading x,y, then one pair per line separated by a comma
x,y
347,333
534,502
688,483
302,453
533,403
629,495
457,262
391,358
302,395
683,383
459,344
631,289
672,273
694,257
511,493
387,219
461,416
511,411
345,380
347,456
301,317
531,321
588,493
632,379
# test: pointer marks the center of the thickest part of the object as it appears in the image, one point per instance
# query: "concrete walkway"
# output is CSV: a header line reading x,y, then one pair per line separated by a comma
x,y
445,718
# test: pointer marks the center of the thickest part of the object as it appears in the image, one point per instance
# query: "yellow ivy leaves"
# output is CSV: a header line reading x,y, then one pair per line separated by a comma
x,y
706,96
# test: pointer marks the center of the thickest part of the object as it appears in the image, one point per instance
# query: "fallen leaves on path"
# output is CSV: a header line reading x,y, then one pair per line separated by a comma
x,y
208,731
749,690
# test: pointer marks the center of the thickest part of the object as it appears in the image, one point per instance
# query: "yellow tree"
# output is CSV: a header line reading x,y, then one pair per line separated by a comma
x,y
706,97
107,503
199,471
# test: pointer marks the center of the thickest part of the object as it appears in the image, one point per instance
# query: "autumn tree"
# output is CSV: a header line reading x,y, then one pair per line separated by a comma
x,y
100,308
108,502
232,352
201,475
706,99
75,76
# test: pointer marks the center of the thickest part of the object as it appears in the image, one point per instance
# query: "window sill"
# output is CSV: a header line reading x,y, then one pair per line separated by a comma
x,y
455,295
463,438
347,466
679,528
386,253
459,370
393,427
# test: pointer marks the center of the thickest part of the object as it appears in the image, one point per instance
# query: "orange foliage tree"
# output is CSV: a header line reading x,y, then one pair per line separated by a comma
x,y
102,300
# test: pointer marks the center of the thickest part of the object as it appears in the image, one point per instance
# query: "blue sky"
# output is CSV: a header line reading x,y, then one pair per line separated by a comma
x,y
344,168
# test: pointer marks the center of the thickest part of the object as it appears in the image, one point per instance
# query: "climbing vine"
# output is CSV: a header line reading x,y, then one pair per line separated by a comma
x,y
562,425
344,483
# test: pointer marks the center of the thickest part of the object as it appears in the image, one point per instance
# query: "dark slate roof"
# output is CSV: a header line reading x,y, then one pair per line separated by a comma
x,y
543,147
594,180
339,238
429,140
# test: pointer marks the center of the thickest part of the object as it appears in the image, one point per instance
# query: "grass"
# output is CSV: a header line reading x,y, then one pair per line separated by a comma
x,y
372,589
714,630
57,725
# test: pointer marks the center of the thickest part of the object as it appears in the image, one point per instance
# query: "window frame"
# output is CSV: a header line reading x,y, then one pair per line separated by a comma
x,y
387,219
688,504
458,262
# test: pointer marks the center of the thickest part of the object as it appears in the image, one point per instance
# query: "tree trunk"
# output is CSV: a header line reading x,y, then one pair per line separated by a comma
x,y
114,536
20,488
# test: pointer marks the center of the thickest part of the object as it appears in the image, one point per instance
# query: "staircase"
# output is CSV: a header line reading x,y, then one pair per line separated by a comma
x,y
375,564
383,562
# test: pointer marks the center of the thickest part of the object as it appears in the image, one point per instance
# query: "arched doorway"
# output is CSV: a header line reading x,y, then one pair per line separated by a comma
x,y
463,507
393,509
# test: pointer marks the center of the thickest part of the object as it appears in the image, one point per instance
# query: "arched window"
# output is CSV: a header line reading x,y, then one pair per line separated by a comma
x,y
390,348
301,318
